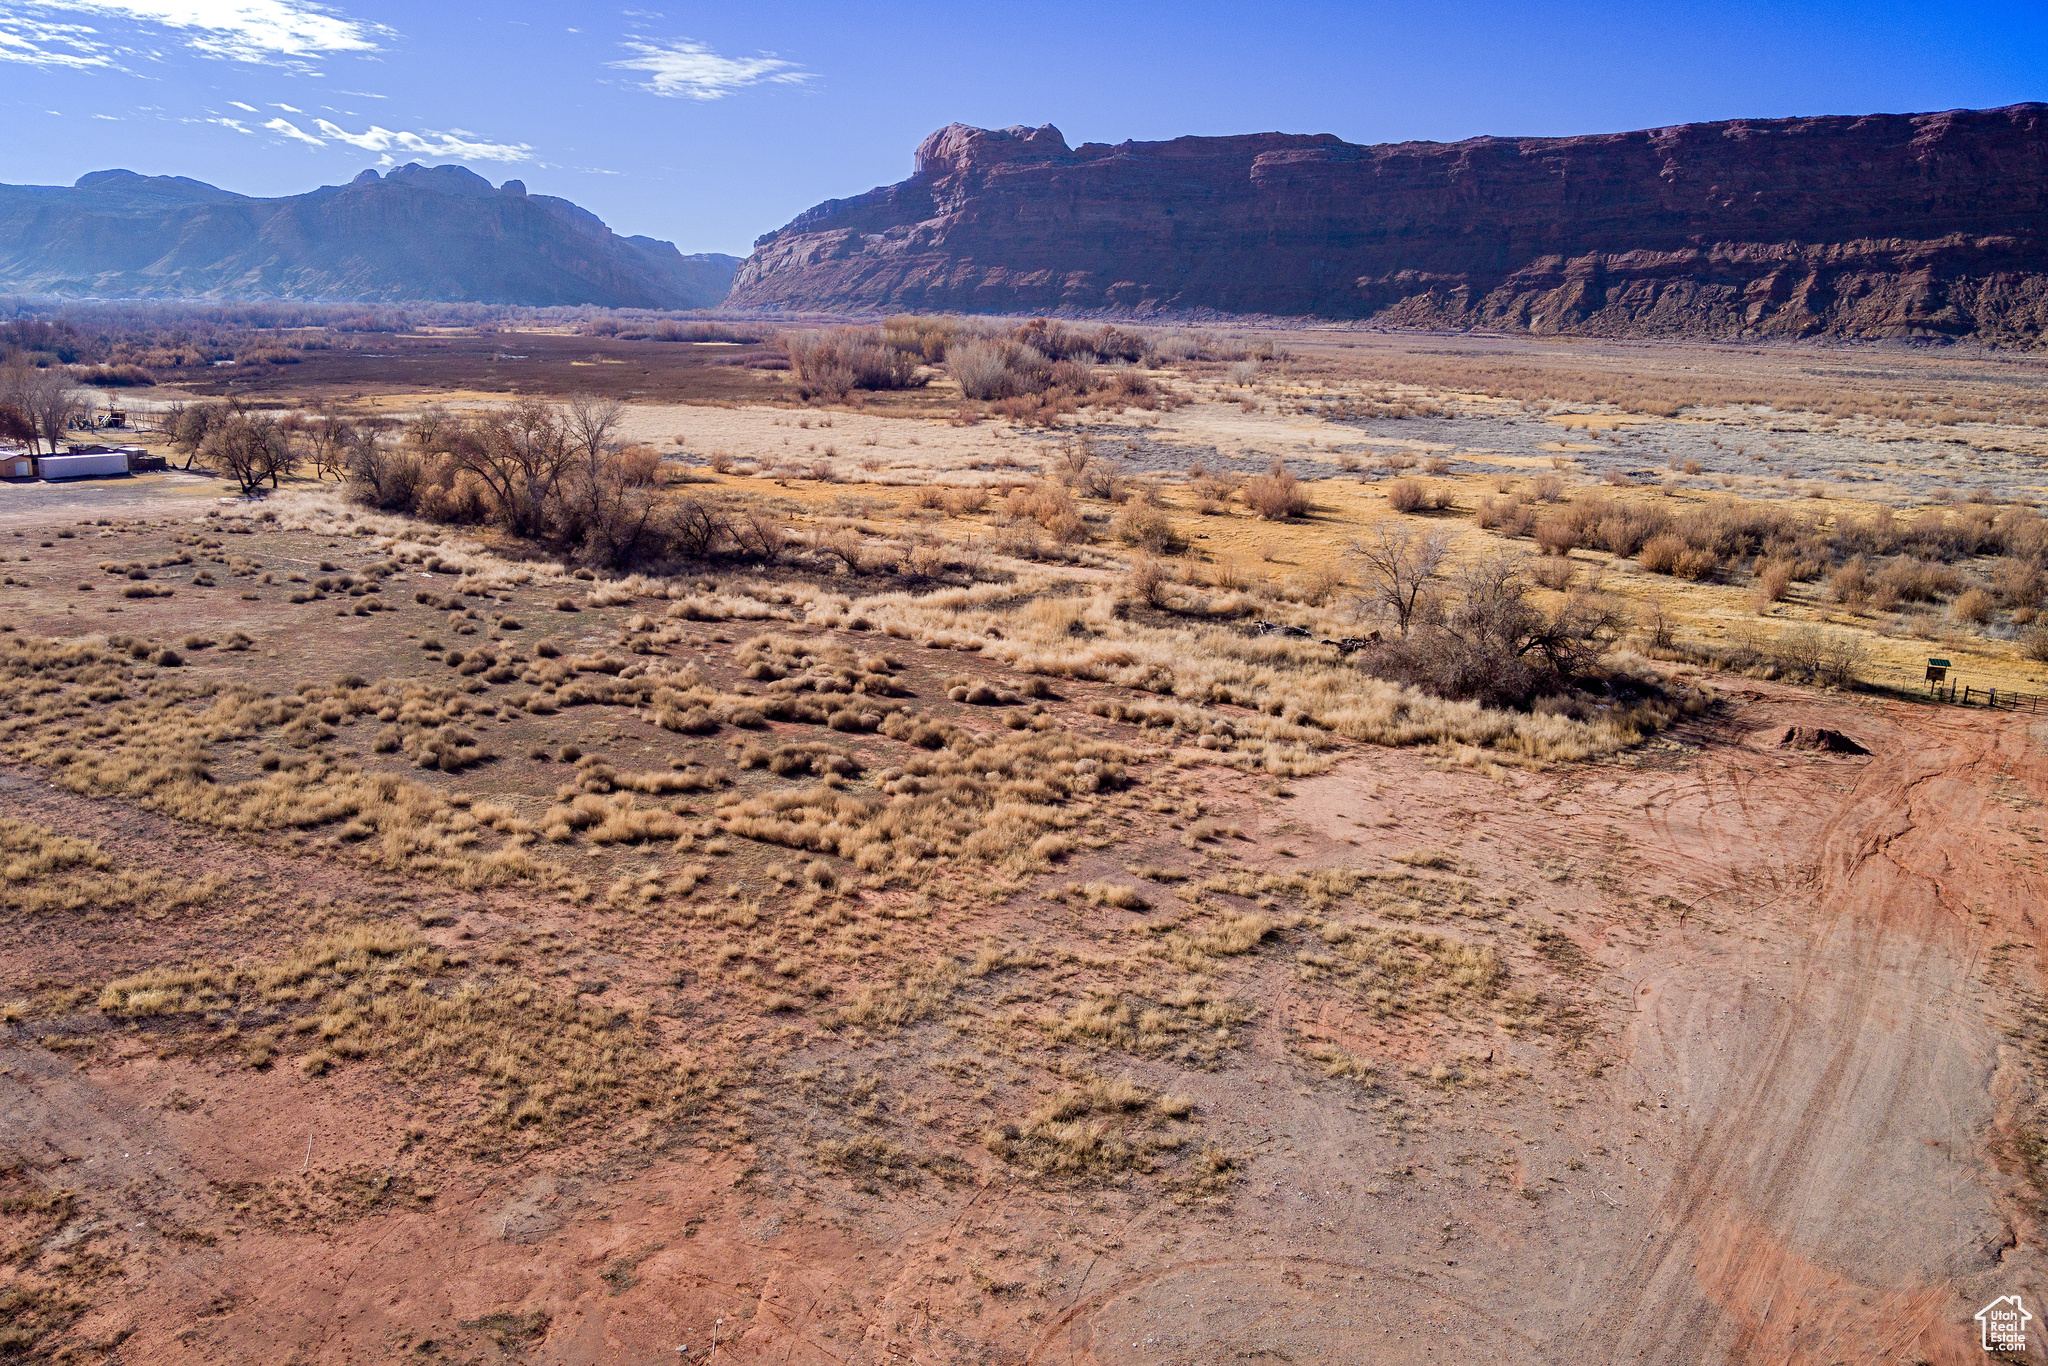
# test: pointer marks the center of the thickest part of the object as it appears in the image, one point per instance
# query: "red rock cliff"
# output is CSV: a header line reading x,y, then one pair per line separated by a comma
x,y
1881,225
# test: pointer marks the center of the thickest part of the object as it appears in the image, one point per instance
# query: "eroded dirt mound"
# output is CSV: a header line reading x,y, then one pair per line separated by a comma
x,y
1821,738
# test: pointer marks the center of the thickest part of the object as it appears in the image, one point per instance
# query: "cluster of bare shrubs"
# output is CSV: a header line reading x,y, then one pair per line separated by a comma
x,y
1142,525
554,476
996,367
1275,495
832,364
127,376
1363,407
1477,635
1878,562
629,328
1051,506
964,500
1803,654
1412,495
1207,346
1044,369
1034,372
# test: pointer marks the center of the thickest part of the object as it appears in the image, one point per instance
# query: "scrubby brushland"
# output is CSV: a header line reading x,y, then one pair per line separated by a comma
x,y
873,871
806,811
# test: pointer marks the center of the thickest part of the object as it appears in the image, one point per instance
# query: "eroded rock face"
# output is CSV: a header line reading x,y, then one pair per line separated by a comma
x,y
1883,225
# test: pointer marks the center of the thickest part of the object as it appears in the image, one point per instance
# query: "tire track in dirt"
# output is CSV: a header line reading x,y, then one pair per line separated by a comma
x,y
1831,1199
1073,1336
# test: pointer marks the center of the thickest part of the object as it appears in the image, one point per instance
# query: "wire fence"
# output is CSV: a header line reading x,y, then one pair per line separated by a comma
x,y
1958,693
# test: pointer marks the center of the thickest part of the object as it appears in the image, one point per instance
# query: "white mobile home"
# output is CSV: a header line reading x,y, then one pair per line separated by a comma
x,y
83,466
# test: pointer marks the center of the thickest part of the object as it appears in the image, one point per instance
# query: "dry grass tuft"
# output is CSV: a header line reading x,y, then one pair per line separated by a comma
x,y
378,991
1095,1130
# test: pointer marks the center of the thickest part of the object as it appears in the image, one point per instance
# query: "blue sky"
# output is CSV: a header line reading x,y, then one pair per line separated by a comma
x,y
711,125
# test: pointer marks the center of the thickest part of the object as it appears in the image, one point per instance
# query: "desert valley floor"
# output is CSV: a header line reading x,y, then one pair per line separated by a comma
x,y
415,948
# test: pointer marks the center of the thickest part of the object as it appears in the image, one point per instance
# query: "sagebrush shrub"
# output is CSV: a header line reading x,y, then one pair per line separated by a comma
x,y
1556,536
996,368
832,363
1276,495
1142,525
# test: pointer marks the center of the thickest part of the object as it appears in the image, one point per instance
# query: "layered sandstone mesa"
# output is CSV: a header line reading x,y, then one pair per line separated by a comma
x,y
1874,226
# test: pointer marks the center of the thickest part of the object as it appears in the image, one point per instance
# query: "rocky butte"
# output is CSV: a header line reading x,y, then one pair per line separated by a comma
x,y
1880,225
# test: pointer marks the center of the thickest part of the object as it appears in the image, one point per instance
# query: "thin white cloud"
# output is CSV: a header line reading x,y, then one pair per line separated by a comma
x,y
285,128
287,109
246,108
241,30
236,124
682,69
32,42
457,144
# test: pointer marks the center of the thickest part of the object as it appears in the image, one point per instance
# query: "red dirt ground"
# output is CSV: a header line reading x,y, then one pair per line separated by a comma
x,y
1789,1111
1803,1126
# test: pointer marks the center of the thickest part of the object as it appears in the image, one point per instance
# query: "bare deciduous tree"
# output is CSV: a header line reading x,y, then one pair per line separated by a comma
x,y
521,454
189,426
329,437
15,425
44,396
590,424
248,450
1398,566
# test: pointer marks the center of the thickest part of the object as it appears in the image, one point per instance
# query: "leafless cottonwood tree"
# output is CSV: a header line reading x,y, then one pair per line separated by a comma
x,y
43,396
248,449
15,425
590,424
521,454
1398,566
189,425
328,437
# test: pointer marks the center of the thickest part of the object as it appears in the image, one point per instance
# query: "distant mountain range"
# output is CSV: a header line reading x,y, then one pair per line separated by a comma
x,y
1881,225
441,234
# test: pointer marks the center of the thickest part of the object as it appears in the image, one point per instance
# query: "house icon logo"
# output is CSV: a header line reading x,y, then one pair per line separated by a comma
x,y
2005,1322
